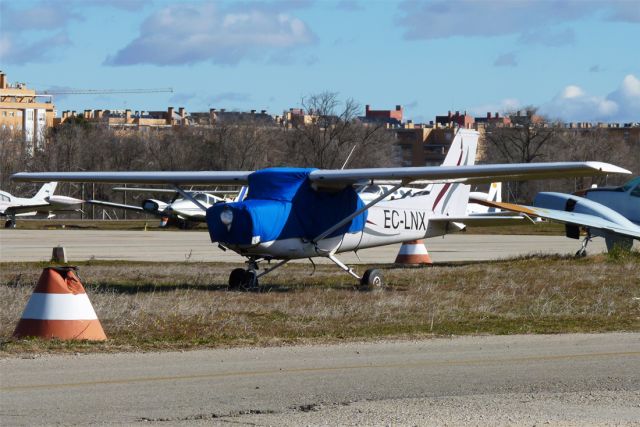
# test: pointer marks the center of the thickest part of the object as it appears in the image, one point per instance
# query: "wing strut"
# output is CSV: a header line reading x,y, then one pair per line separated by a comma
x,y
356,213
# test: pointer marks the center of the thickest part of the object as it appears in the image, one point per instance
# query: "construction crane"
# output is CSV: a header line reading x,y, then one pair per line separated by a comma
x,y
104,91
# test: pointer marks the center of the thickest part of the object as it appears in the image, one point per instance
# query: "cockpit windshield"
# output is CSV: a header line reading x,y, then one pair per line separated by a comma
x,y
201,197
631,184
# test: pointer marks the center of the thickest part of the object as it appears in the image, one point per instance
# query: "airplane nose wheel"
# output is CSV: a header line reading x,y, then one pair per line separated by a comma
x,y
242,279
372,280
236,278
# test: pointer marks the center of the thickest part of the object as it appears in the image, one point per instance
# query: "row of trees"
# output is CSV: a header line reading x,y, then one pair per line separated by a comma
x,y
538,139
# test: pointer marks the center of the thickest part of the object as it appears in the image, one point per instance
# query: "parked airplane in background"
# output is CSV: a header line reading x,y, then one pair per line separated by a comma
x,y
42,205
612,213
293,213
180,211
624,199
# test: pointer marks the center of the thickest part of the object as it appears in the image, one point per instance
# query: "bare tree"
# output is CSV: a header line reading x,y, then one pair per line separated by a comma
x,y
524,141
332,132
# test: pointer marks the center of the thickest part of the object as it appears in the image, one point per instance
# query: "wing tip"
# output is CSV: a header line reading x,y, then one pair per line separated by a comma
x,y
608,168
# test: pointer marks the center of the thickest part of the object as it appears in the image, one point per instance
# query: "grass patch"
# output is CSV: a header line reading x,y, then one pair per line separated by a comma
x,y
158,306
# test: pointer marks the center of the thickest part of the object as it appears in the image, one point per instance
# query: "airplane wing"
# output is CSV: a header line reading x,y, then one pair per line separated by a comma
x,y
193,178
344,177
115,205
564,217
169,190
474,174
145,190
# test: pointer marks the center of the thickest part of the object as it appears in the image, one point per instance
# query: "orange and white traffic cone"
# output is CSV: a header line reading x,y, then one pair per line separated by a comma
x,y
60,308
413,252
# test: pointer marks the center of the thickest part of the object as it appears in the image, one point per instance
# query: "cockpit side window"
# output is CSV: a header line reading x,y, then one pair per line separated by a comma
x,y
636,191
201,197
4,198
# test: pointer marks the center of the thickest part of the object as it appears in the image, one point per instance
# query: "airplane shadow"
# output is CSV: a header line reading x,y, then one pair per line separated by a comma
x,y
131,289
153,288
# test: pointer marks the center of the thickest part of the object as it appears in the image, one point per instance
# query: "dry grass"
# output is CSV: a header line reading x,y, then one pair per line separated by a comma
x,y
146,306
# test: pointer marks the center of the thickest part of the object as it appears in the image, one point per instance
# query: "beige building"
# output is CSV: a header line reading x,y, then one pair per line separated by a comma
x,y
24,111
423,146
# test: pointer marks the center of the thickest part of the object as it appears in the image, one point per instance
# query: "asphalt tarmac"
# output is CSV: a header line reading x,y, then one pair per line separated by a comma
x,y
575,379
81,245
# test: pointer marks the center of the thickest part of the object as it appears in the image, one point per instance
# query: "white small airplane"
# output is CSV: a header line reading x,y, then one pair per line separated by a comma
x,y
180,211
294,213
42,205
612,213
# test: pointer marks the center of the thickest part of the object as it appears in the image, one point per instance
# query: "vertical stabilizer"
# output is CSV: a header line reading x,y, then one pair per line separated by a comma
x,y
495,192
46,190
451,199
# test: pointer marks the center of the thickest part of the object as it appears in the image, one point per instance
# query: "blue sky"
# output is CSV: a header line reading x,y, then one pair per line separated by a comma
x,y
577,60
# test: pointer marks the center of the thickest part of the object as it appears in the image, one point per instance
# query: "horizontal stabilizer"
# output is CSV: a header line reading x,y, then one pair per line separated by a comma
x,y
114,205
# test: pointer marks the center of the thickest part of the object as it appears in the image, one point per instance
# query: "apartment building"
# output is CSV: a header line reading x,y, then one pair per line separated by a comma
x,y
24,111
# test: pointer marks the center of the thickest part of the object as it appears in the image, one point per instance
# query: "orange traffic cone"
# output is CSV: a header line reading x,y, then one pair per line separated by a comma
x,y
60,308
413,252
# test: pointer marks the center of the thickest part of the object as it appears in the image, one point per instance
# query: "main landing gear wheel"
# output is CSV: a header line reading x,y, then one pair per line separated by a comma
x,y
242,279
236,278
372,280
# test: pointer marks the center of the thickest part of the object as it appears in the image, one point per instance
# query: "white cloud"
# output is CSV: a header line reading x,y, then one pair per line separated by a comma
x,y
506,105
469,18
627,97
571,91
188,34
37,32
535,21
574,104
18,51
41,17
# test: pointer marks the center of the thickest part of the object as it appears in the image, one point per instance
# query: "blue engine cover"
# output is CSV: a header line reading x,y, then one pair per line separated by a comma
x,y
281,204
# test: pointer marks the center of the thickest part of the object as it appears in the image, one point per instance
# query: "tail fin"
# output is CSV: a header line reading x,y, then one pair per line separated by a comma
x,y
46,190
495,192
450,199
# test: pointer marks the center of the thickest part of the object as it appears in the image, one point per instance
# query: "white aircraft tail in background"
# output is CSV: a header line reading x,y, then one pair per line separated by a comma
x,y
42,205
494,195
45,191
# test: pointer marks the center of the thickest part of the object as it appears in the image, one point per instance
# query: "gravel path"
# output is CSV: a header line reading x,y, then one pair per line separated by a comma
x,y
575,379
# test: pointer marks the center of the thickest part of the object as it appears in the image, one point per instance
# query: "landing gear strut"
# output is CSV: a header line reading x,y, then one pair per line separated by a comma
x,y
241,278
372,279
582,252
